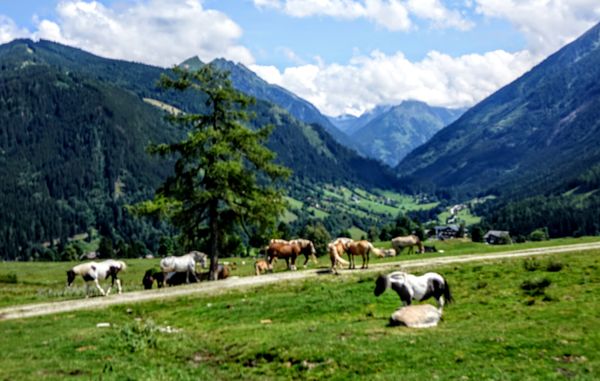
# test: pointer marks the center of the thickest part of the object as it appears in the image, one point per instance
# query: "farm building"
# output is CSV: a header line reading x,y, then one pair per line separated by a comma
x,y
497,237
447,232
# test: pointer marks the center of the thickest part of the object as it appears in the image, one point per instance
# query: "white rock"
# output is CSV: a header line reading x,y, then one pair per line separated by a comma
x,y
416,316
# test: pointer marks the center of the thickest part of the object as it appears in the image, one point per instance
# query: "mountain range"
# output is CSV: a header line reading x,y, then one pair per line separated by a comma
x,y
531,137
73,133
389,133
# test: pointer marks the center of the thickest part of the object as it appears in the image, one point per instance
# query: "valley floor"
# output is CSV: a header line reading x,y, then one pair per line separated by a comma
x,y
237,283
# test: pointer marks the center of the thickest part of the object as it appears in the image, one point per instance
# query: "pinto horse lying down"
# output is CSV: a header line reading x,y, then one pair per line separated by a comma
x,y
410,287
96,271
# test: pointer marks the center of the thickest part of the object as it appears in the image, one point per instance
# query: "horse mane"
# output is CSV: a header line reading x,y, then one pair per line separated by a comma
x,y
122,265
82,268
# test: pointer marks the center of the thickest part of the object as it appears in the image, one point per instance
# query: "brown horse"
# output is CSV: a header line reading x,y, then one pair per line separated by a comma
x,y
362,248
307,248
410,241
290,251
336,248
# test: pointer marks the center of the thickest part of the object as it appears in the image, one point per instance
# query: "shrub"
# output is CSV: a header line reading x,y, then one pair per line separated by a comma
x,y
10,278
539,235
535,287
554,266
531,264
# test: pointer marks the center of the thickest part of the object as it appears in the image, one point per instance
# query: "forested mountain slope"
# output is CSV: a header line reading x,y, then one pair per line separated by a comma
x,y
73,133
396,131
531,137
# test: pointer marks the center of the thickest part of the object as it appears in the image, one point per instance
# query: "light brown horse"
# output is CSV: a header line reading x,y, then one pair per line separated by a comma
x,y
362,248
261,266
290,251
410,241
336,248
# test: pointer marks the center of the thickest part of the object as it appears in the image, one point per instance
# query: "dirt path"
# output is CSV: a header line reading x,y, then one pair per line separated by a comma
x,y
213,288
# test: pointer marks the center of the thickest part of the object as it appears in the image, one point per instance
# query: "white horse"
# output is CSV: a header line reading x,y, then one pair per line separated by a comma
x,y
410,287
96,271
183,264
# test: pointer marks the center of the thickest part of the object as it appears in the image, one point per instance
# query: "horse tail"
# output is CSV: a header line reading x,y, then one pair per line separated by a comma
x,y
447,294
122,264
335,257
378,252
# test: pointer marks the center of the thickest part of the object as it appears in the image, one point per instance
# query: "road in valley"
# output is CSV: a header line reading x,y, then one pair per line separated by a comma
x,y
240,283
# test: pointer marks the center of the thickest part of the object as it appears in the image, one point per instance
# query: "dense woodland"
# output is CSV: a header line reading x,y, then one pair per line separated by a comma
x,y
74,131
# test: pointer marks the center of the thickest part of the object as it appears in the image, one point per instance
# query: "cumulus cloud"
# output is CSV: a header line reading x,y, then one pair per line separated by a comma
x,y
367,81
160,32
394,15
9,30
547,25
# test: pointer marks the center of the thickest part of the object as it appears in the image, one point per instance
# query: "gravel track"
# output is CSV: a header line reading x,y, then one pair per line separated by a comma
x,y
233,283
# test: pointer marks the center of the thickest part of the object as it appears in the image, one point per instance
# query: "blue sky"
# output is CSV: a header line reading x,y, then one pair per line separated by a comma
x,y
345,56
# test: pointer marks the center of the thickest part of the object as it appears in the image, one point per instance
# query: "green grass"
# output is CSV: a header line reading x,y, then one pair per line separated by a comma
x,y
357,233
332,328
38,282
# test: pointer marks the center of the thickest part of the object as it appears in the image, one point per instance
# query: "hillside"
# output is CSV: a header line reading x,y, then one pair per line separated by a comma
x,y
531,137
393,132
249,83
73,133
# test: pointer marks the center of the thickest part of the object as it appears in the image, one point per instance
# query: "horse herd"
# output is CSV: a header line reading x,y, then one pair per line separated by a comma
x,y
291,250
182,269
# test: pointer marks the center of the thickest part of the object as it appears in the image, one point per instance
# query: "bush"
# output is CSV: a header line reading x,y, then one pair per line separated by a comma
x,y
535,287
10,278
539,235
531,264
553,266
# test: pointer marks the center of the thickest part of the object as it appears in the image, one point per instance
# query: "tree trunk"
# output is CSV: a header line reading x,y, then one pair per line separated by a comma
x,y
214,241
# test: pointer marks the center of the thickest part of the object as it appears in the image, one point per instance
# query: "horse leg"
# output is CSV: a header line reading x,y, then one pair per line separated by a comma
x,y
305,261
99,288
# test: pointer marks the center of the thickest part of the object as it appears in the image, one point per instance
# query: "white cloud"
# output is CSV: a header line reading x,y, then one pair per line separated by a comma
x,y
160,32
546,24
394,15
367,81
9,30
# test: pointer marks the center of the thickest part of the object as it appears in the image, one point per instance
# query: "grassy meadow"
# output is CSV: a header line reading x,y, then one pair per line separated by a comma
x,y
36,282
522,319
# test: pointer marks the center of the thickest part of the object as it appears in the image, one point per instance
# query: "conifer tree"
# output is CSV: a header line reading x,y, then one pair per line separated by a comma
x,y
224,175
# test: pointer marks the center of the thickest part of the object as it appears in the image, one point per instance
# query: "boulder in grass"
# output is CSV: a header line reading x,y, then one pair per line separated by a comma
x,y
416,316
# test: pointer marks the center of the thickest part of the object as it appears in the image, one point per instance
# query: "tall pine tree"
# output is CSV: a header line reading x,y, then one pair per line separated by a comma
x,y
224,175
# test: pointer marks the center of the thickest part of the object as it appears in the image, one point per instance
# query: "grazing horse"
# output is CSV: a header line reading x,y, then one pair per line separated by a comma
x,y
410,287
288,251
362,248
336,248
261,266
96,271
183,264
307,248
410,241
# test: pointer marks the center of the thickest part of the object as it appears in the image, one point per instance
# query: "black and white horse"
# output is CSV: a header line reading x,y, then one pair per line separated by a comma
x,y
95,272
410,287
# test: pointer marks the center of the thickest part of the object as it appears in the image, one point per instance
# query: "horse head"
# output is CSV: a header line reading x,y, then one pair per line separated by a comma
x,y
200,257
70,277
381,284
